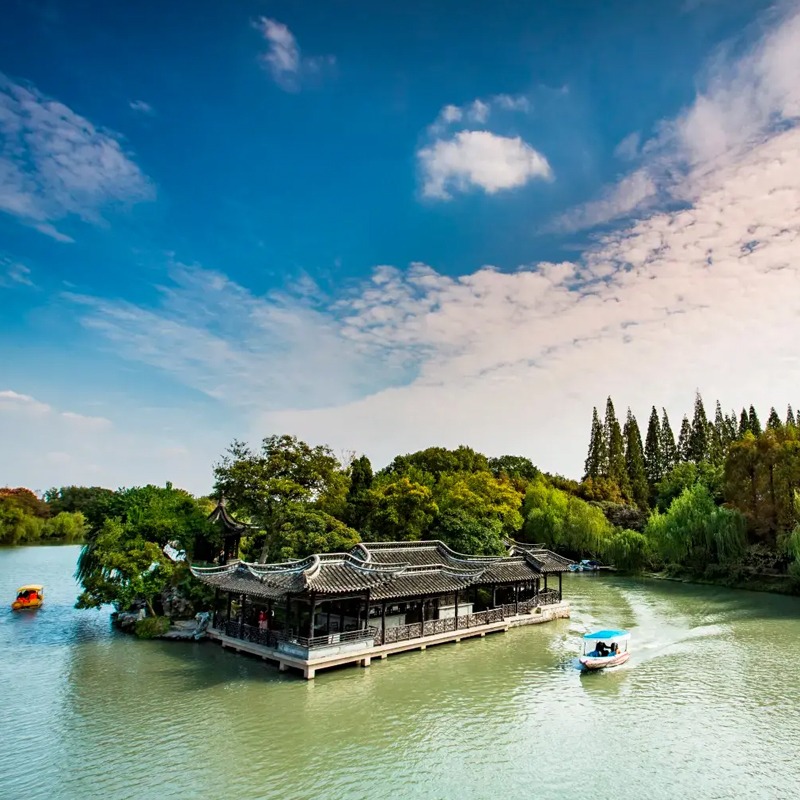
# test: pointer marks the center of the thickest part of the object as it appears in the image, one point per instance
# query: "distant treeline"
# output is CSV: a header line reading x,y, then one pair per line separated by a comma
x,y
720,501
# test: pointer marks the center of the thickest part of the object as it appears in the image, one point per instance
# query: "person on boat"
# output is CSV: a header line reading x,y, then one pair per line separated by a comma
x,y
602,650
614,649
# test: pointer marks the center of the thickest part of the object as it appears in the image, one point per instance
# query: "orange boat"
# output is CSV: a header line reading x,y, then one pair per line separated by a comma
x,y
30,596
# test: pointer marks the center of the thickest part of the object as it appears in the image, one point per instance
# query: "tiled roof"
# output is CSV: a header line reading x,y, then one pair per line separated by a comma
x,y
220,514
384,570
539,558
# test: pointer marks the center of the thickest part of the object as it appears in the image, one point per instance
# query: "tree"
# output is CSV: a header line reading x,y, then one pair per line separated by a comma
x,y
262,485
402,510
695,531
597,457
669,452
514,467
634,462
305,531
126,569
467,534
24,499
94,502
774,421
482,497
66,527
790,419
684,476
718,440
744,423
436,461
615,445
653,453
627,550
755,425
357,506
698,435
684,437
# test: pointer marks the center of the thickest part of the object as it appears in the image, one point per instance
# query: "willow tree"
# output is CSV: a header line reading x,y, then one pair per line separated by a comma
x,y
695,532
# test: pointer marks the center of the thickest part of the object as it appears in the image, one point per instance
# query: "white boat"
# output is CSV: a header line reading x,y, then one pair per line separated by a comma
x,y
606,648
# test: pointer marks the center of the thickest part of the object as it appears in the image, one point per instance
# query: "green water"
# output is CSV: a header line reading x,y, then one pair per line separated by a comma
x,y
708,707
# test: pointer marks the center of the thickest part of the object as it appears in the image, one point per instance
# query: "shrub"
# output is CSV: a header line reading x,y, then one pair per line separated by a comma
x,y
151,627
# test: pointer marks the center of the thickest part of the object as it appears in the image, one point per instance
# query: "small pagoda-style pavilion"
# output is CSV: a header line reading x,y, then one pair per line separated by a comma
x,y
379,595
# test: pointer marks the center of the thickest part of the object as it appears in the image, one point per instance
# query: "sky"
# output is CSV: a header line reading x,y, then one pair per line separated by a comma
x,y
384,227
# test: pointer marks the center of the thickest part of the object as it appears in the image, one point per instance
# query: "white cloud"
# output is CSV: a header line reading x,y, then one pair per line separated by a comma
x,y
55,164
11,400
742,102
479,159
476,112
12,273
283,58
141,107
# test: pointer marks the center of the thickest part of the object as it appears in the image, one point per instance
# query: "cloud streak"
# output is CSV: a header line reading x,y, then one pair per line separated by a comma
x,y
283,59
56,164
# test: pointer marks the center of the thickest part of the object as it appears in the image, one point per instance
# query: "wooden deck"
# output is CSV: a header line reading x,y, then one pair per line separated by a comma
x,y
364,656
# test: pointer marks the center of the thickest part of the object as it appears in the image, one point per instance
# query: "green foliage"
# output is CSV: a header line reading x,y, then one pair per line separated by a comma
x,y
66,527
628,550
125,569
634,463
516,468
653,453
466,534
94,502
596,464
305,531
774,421
669,451
600,490
357,507
695,530
753,422
402,510
437,461
684,476
563,522
151,627
698,439
684,437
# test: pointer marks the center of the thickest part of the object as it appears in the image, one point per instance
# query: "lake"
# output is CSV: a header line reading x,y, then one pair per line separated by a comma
x,y
707,707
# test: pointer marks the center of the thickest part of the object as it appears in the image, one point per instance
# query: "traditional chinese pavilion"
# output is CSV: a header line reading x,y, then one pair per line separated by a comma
x,y
380,598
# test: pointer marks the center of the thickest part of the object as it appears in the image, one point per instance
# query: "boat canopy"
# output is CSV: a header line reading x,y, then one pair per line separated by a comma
x,y
606,634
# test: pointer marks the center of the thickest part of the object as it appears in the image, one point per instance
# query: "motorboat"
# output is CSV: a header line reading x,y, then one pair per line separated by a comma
x,y
28,597
606,648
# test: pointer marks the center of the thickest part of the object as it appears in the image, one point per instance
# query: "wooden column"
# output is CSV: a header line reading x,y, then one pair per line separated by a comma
x,y
559,587
329,616
545,581
366,615
455,624
516,598
287,625
311,620
341,617
269,614
241,615
383,622
230,600
494,595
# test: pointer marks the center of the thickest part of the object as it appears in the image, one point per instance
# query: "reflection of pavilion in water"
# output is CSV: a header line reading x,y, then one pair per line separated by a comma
x,y
378,599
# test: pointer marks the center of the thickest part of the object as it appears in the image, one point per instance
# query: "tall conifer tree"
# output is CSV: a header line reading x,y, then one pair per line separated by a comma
x,y
774,421
634,462
790,420
744,423
684,449
669,452
616,448
755,425
597,458
718,437
698,435
653,457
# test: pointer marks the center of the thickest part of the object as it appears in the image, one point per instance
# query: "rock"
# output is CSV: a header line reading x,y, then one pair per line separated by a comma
x,y
176,606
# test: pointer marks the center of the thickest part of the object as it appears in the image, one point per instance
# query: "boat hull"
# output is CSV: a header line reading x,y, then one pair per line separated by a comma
x,y
18,605
599,662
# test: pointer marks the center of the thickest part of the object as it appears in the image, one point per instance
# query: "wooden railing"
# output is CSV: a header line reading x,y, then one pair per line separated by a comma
x,y
267,638
544,598
418,630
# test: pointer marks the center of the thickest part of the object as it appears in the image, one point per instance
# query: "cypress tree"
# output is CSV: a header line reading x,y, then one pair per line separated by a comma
x,y
790,420
684,450
634,462
597,458
774,421
755,425
356,506
653,456
669,453
615,446
732,429
744,423
718,438
698,435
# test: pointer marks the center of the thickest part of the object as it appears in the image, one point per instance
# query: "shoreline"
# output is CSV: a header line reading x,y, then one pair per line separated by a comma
x,y
768,584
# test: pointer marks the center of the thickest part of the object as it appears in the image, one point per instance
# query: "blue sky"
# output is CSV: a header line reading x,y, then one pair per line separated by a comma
x,y
384,227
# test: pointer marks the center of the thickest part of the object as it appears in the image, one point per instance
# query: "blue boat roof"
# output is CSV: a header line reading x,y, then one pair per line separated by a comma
x,y
605,634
